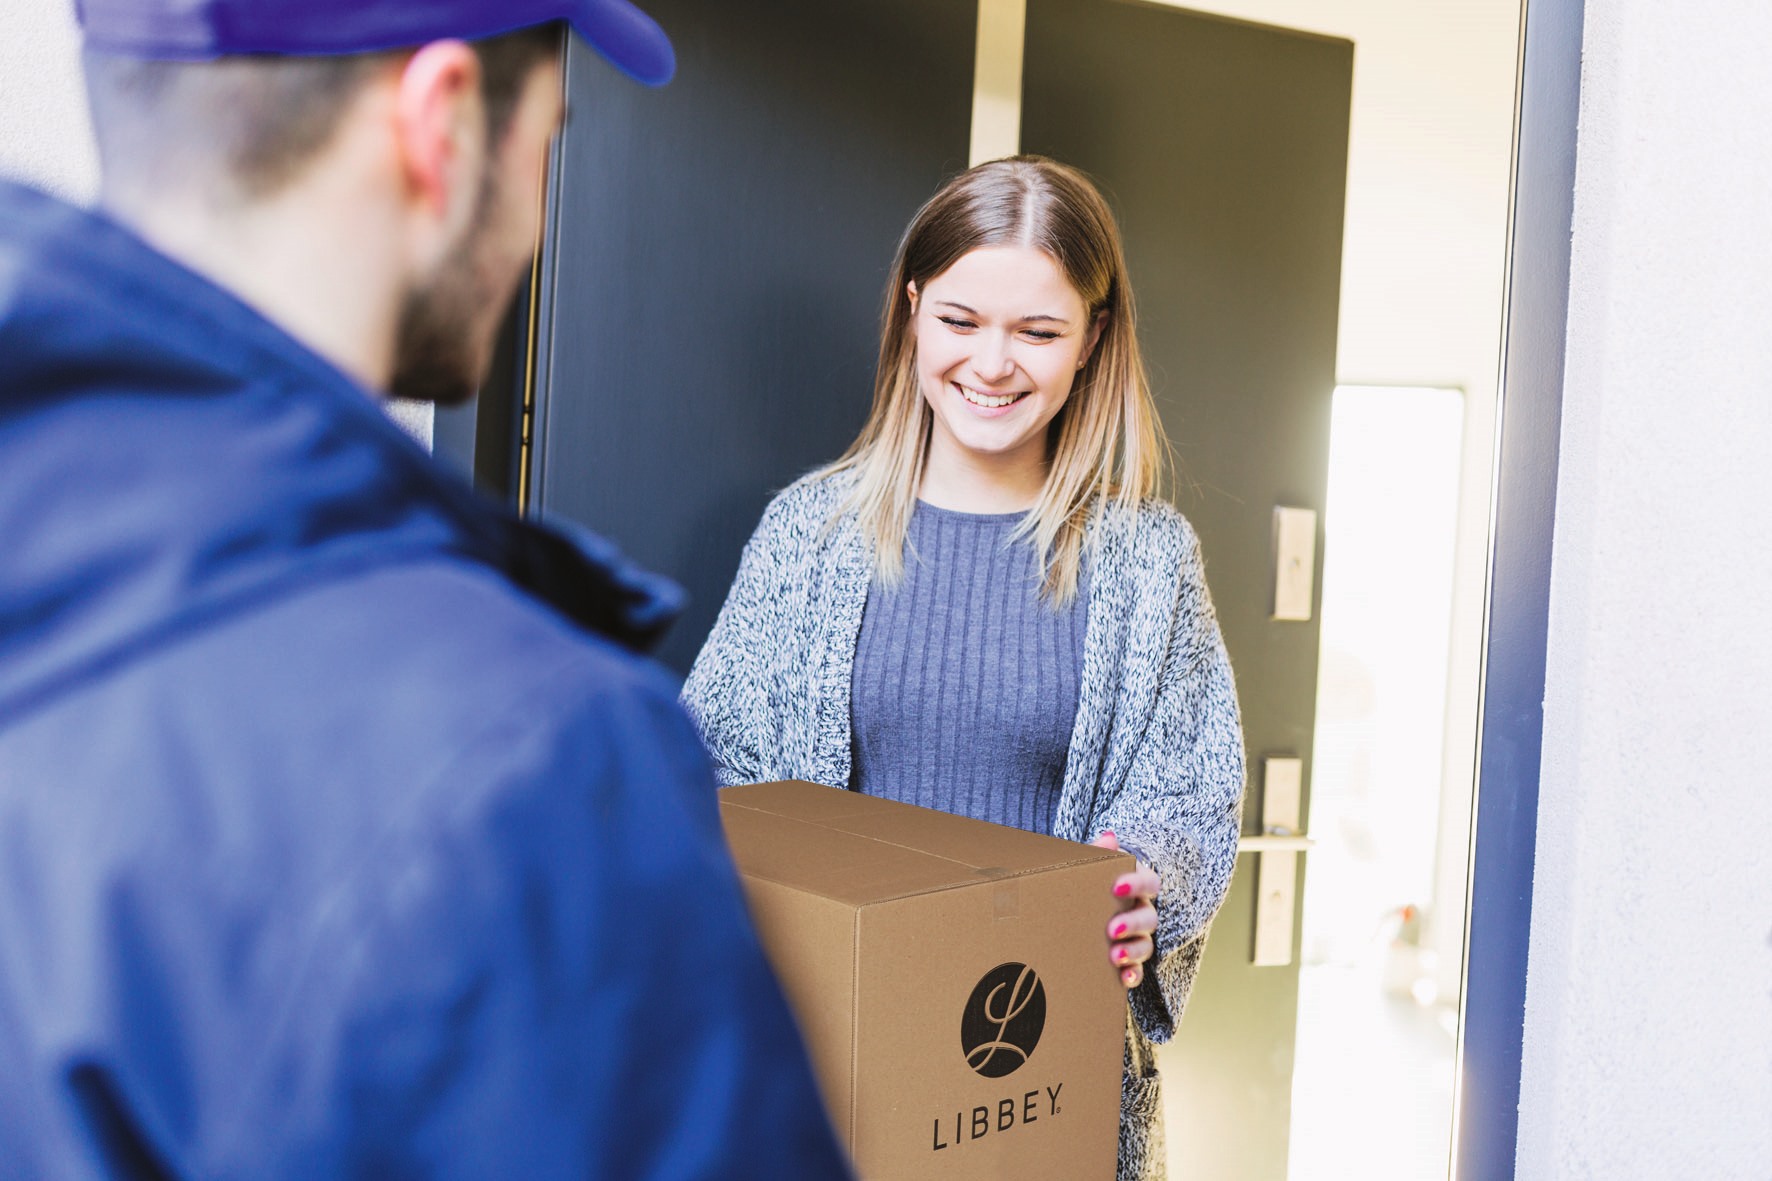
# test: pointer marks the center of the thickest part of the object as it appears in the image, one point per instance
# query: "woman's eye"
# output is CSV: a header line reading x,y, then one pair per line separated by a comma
x,y
1039,334
954,322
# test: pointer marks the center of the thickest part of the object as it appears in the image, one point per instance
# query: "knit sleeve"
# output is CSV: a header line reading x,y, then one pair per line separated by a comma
x,y
1181,808
726,692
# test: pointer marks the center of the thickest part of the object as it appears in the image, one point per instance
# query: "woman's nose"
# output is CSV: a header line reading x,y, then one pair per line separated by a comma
x,y
992,360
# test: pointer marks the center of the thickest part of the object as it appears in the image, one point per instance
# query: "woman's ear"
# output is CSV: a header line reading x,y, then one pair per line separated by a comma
x,y
1095,331
910,289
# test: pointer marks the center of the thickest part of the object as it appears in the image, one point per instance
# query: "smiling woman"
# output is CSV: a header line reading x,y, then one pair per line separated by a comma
x,y
981,608
996,378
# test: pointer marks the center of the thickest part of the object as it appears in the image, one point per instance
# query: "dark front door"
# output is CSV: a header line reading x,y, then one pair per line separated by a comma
x,y
1223,147
715,264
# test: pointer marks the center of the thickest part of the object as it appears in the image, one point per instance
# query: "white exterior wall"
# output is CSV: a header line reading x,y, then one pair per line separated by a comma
x,y
45,138
1649,1004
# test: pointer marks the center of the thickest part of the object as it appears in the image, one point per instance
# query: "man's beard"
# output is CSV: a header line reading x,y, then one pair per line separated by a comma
x,y
445,328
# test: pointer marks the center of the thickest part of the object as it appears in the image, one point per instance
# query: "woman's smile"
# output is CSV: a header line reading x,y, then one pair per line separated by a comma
x,y
989,402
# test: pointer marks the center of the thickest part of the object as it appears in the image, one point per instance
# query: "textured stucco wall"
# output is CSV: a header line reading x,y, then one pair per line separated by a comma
x,y
1649,1007
45,138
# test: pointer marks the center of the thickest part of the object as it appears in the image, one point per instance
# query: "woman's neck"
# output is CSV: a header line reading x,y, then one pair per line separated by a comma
x,y
982,484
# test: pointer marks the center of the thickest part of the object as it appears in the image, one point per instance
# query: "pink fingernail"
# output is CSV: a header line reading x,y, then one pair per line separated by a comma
x,y
1122,890
1119,930
1130,977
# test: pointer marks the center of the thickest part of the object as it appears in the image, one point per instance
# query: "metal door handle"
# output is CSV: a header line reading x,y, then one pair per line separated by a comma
x,y
1276,861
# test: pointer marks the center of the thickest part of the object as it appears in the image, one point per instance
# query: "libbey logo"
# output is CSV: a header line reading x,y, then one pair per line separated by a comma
x,y
1001,1026
1003,1020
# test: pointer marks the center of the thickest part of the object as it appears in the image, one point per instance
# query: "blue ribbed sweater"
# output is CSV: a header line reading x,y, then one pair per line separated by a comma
x,y
965,683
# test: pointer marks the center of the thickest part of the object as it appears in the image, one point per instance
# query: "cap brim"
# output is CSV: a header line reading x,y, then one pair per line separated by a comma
x,y
189,31
627,38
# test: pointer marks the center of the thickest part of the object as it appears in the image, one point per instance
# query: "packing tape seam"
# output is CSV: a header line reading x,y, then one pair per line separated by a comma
x,y
1086,855
1093,855
1003,877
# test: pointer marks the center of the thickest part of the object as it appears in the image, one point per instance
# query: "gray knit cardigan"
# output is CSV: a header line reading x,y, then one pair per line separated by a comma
x,y
1156,752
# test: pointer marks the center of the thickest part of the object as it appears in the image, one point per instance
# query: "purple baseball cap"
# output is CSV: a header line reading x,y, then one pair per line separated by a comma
x,y
196,30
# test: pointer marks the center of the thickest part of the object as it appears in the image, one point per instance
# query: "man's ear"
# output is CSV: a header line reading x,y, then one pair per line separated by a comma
x,y
440,128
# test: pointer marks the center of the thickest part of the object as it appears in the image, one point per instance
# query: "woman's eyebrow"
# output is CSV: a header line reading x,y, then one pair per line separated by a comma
x,y
1036,317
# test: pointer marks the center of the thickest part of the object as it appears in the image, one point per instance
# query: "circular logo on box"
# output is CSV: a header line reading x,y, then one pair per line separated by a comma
x,y
1003,1020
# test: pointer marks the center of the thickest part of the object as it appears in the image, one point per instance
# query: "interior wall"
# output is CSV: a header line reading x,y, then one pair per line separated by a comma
x,y
45,136
1429,159
1648,1032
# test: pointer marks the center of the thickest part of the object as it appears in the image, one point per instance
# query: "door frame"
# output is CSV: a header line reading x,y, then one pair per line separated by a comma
x,y
1511,729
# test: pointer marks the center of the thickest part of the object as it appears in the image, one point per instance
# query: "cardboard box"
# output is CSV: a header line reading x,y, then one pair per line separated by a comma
x,y
951,977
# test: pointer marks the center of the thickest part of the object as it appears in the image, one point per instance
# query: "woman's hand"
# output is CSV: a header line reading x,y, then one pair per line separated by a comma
x,y
1132,931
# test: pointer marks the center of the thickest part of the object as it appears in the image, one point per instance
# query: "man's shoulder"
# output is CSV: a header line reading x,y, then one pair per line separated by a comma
x,y
466,629
439,668
421,702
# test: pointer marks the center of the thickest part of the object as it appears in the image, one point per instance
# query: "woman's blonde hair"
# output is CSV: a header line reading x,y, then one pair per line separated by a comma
x,y
1105,446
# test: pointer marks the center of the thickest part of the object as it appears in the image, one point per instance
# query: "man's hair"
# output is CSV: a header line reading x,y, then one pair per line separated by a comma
x,y
263,119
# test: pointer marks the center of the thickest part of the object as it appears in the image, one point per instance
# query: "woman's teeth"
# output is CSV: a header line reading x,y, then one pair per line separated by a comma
x,y
988,401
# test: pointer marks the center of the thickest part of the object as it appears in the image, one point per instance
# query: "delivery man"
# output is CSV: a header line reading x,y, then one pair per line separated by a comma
x,y
342,831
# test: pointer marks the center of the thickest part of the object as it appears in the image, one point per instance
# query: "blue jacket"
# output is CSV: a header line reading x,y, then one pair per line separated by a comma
x,y
342,833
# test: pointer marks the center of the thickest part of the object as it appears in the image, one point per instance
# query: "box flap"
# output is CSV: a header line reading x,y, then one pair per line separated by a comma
x,y
861,849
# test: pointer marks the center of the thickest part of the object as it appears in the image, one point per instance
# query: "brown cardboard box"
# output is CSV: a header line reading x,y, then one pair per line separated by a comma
x,y
951,977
